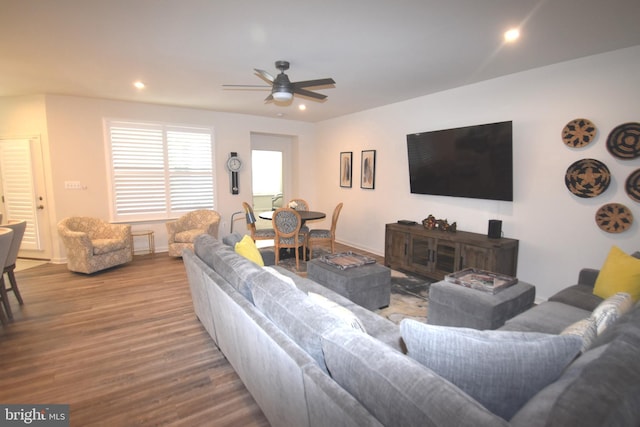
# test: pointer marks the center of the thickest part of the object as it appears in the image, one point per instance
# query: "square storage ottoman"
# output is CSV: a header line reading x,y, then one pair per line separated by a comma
x,y
368,286
456,305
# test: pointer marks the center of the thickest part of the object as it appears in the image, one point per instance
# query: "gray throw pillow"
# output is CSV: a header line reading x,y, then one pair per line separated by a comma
x,y
501,369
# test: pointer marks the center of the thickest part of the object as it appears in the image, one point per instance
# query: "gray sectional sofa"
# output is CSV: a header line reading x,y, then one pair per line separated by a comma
x,y
309,362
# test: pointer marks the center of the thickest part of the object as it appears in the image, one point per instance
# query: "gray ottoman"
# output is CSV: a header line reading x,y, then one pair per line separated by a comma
x,y
456,305
368,286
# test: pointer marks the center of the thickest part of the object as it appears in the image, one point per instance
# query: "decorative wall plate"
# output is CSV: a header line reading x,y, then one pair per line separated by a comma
x,y
624,141
614,218
587,178
632,186
578,133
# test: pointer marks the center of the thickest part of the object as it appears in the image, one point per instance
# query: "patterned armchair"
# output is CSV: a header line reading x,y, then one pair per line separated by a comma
x,y
93,244
184,230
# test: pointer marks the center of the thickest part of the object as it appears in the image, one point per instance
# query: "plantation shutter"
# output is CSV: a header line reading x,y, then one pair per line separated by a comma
x,y
190,170
18,190
159,171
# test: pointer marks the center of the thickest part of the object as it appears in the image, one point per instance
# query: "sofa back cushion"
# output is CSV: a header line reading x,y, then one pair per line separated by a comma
x,y
600,388
500,369
396,389
297,315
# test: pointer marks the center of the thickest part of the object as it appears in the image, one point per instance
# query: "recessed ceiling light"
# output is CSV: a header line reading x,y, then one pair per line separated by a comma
x,y
302,107
511,35
139,85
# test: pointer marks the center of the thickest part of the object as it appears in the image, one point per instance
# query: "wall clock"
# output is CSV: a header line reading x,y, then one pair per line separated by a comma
x,y
233,165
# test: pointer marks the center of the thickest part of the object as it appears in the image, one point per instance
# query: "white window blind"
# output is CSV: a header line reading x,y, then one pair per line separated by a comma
x,y
159,171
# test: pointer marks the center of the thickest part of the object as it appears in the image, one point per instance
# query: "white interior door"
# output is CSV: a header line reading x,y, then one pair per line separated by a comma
x,y
23,195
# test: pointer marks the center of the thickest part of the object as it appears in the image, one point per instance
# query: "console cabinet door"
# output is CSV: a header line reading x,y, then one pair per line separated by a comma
x,y
476,257
422,255
396,249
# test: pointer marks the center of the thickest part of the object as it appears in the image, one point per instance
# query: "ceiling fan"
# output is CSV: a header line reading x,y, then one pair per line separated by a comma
x,y
282,89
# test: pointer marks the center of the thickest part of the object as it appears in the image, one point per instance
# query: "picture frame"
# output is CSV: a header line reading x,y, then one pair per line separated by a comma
x,y
346,169
368,169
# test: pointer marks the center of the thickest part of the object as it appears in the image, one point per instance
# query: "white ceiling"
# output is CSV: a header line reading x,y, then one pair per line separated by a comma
x,y
378,52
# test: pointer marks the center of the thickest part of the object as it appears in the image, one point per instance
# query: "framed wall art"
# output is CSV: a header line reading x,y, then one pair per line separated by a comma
x,y
368,169
346,166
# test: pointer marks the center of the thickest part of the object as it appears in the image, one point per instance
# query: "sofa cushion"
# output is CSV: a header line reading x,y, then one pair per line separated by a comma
x,y
601,388
235,269
206,245
585,329
247,248
579,295
608,312
340,311
396,389
297,315
620,273
549,317
500,369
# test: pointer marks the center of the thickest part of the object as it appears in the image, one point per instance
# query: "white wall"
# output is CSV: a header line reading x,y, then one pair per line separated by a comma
x,y
557,231
76,151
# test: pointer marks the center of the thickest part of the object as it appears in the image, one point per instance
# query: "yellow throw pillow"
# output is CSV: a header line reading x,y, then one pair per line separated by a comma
x,y
620,273
248,249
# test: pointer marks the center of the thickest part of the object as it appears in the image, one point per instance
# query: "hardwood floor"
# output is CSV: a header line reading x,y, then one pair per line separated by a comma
x,y
122,347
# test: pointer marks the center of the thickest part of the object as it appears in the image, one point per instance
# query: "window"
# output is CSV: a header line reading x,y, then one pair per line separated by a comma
x,y
266,172
159,171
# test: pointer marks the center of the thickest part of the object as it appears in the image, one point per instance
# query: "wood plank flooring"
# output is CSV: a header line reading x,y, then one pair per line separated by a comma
x,y
123,347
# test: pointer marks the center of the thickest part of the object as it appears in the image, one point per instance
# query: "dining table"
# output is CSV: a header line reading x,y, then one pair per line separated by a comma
x,y
304,215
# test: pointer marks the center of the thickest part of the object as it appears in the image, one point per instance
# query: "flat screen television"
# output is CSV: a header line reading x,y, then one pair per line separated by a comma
x,y
473,161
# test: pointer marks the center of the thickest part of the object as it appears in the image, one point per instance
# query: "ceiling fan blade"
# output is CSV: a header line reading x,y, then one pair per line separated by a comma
x,y
308,93
311,83
265,75
227,85
269,98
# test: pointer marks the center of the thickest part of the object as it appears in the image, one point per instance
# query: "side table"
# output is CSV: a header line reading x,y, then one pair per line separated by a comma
x,y
456,305
368,285
150,237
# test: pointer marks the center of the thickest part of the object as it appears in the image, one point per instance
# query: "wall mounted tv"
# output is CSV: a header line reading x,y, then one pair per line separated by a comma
x,y
472,161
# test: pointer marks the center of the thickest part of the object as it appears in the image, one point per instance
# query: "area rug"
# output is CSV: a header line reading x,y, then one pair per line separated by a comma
x,y
409,294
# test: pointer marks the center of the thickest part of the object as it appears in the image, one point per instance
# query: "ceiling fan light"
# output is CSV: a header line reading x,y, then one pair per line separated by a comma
x,y
282,96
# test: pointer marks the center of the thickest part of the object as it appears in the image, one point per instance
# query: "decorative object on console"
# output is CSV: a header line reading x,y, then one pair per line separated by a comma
x,y
587,178
578,133
614,218
431,223
624,141
368,169
346,167
495,229
632,185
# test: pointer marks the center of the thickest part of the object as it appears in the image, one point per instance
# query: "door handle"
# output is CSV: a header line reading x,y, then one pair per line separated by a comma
x,y
40,206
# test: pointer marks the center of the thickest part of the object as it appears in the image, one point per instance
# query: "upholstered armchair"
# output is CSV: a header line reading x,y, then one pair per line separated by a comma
x,y
184,230
93,244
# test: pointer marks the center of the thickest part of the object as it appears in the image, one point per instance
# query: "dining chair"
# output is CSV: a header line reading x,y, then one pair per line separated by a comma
x,y
323,235
286,223
6,236
18,228
300,204
256,233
